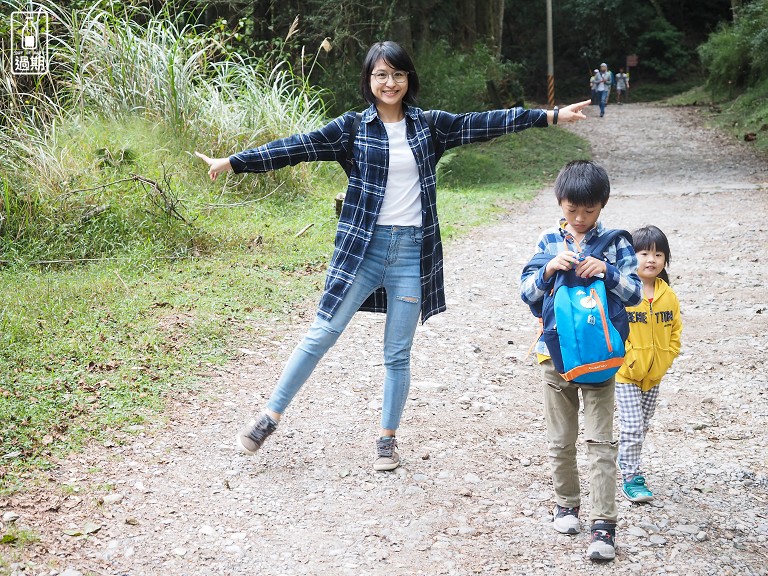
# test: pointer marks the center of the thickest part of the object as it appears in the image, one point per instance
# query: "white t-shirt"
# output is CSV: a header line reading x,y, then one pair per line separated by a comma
x,y
606,81
402,196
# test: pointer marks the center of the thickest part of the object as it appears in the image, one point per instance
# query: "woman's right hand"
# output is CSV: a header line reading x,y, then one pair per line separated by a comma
x,y
216,166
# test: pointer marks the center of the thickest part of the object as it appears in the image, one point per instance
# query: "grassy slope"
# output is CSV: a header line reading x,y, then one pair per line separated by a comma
x,y
741,115
94,348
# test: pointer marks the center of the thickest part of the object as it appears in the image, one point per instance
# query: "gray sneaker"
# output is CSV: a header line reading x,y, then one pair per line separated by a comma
x,y
250,438
603,545
387,457
566,520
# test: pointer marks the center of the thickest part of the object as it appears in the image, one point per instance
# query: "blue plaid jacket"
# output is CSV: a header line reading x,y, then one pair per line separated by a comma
x,y
620,277
368,180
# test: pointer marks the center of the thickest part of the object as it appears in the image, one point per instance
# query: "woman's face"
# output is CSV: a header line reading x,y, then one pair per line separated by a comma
x,y
391,90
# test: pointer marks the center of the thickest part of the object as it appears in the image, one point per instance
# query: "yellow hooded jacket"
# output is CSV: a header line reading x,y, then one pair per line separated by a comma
x,y
654,338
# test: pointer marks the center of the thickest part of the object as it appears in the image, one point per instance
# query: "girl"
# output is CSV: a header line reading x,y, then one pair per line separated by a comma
x,y
388,255
653,343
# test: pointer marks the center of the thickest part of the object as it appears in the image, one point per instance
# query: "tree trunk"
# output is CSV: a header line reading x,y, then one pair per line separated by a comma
x,y
468,23
420,23
400,28
489,18
483,19
498,21
736,8
657,7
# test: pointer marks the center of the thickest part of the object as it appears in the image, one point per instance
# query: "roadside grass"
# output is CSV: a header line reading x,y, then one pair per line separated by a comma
x,y
92,349
89,156
14,540
744,116
641,91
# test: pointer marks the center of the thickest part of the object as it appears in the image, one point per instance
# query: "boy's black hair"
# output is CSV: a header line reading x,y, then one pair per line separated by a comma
x,y
652,238
582,183
396,57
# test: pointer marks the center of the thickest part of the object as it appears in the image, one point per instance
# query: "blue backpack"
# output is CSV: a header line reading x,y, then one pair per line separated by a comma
x,y
583,325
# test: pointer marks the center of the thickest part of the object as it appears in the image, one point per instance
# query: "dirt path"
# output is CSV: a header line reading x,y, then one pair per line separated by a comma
x,y
473,495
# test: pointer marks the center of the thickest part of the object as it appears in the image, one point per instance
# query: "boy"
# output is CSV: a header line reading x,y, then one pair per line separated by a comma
x,y
582,189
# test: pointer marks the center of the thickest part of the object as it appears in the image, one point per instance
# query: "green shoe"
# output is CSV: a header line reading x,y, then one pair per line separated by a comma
x,y
636,491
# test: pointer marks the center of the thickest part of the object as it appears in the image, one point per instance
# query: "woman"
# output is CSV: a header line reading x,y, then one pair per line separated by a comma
x,y
388,255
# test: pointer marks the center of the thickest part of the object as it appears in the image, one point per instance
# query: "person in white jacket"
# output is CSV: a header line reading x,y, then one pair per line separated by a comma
x,y
604,81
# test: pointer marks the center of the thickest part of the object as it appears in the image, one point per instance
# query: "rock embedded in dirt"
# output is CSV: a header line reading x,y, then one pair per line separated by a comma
x,y
10,517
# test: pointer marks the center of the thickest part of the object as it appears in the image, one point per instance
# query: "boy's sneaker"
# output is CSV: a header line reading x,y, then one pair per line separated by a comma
x,y
603,545
250,438
636,490
566,520
387,457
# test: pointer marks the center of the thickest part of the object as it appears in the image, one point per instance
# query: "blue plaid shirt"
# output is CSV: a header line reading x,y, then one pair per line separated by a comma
x,y
620,276
368,180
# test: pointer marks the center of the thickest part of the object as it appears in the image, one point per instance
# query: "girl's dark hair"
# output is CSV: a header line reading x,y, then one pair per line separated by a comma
x,y
396,57
652,238
583,183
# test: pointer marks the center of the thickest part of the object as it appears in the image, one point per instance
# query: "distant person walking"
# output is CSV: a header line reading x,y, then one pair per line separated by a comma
x,y
622,85
593,80
388,255
603,87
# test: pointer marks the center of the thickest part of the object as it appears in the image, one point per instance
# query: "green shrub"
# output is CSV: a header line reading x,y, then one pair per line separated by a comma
x,y
726,58
464,82
662,49
737,54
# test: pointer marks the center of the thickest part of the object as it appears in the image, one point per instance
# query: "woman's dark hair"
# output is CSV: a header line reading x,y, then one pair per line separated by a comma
x,y
652,238
394,55
582,183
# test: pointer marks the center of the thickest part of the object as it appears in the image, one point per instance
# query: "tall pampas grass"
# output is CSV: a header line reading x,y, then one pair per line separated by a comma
x,y
116,66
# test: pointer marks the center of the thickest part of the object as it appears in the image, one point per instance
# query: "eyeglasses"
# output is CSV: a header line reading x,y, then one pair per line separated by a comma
x,y
399,77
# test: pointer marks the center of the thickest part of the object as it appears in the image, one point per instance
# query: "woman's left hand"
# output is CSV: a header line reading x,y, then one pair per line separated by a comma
x,y
573,112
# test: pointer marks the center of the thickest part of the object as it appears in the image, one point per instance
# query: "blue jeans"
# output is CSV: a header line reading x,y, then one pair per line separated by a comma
x,y
603,100
392,261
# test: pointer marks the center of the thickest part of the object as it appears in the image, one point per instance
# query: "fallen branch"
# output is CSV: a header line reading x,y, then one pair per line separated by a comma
x,y
245,202
131,179
93,213
307,227
122,281
161,197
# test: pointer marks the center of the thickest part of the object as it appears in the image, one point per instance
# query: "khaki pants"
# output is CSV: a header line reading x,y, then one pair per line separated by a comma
x,y
561,411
